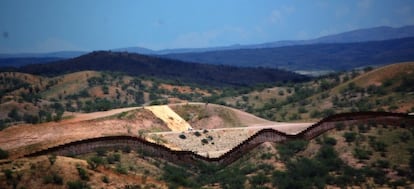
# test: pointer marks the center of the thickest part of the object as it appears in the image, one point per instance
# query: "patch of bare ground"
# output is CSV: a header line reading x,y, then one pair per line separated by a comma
x,y
210,116
23,139
209,143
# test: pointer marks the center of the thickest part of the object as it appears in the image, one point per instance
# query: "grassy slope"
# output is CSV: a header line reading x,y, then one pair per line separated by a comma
x,y
39,172
268,103
122,91
380,75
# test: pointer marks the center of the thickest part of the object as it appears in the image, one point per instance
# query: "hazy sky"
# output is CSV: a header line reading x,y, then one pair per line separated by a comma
x,y
54,25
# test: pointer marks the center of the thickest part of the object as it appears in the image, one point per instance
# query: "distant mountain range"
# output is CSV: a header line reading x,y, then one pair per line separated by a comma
x,y
360,35
335,57
344,51
178,71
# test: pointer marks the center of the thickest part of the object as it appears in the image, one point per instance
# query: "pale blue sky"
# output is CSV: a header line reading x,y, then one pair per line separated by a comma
x,y
55,25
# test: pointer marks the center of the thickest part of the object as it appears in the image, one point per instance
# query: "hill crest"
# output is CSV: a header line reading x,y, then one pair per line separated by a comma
x,y
147,66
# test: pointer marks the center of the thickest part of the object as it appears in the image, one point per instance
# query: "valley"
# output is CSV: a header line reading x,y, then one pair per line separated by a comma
x,y
241,126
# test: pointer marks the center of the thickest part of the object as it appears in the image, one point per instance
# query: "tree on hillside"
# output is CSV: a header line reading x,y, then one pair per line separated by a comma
x,y
3,154
14,115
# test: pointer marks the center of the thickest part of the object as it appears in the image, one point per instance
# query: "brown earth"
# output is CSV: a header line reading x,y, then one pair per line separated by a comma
x,y
211,116
227,127
25,138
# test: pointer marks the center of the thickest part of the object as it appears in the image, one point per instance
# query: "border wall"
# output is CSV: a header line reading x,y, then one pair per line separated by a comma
x,y
264,135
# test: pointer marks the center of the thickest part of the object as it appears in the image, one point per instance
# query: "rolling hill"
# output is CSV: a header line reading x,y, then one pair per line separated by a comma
x,y
367,153
147,66
387,88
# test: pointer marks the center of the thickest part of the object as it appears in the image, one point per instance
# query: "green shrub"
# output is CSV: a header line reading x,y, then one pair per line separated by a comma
x,y
340,126
266,156
95,161
362,128
197,134
54,178
117,157
105,179
204,141
303,173
329,141
113,158
290,148
83,174
3,154
378,146
361,154
382,163
121,169
52,159
130,186
349,136
266,168
77,185
404,136
126,149
182,136
329,158
259,179
177,177
315,114
101,152
302,110
8,173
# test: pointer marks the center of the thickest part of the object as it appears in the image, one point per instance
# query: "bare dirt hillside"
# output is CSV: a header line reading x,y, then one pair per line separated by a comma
x,y
209,116
25,138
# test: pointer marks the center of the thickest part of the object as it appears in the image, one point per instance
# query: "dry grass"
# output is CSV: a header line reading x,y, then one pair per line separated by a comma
x,y
184,89
258,98
379,75
70,84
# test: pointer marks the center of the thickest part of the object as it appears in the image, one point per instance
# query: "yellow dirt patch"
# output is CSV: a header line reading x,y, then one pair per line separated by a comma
x,y
172,119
